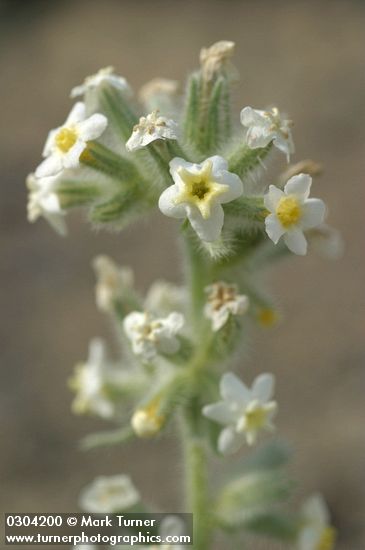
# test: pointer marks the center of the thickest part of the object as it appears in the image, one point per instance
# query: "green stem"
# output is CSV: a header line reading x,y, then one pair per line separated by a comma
x,y
197,281
196,485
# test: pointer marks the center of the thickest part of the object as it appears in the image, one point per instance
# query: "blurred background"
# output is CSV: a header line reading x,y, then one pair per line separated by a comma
x,y
306,57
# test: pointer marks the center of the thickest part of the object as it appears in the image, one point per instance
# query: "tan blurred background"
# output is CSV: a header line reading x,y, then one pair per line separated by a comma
x,y
307,57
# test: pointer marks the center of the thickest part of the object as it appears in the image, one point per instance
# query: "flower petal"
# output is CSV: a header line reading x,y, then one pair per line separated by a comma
x,y
313,213
230,441
296,241
167,204
51,166
218,163
263,387
77,114
273,227
272,198
233,181
299,186
72,158
232,389
92,127
250,116
210,229
220,412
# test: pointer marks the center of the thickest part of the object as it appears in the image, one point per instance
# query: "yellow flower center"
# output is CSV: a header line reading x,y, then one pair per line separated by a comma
x,y
65,139
255,418
288,211
327,540
200,189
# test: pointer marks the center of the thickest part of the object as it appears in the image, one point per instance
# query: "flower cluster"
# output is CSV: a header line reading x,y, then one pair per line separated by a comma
x,y
180,157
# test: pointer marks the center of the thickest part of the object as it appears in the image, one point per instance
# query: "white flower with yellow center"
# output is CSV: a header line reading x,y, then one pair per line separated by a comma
x,y
43,201
265,127
103,75
109,495
150,336
112,282
223,300
150,128
316,532
198,194
244,411
291,212
65,144
89,381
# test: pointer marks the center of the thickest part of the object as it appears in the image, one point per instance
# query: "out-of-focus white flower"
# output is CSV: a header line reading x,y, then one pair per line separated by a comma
x,y
89,381
160,94
316,533
223,300
65,144
327,242
150,128
150,336
112,282
109,495
244,411
198,194
163,297
217,58
292,212
266,126
84,547
146,422
43,201
103,75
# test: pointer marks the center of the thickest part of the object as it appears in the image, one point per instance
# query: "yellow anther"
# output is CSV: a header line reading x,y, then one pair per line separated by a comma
x,y
288,211
65,139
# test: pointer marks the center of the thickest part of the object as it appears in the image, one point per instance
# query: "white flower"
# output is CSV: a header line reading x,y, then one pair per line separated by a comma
x,y
327,242
163,297
43,201
292,212
112,282
89,383
84,547
108,495
103,75
266,126
150,336
150,128
199,192
244,412
223,300
65,144
316,533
